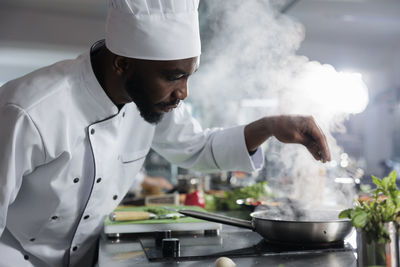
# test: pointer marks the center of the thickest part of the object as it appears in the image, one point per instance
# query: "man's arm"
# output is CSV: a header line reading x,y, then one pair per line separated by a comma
x,y
288,129
21,151
180,139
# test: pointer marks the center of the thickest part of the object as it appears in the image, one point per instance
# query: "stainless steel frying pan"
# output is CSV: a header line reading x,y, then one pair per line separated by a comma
x,y
320,228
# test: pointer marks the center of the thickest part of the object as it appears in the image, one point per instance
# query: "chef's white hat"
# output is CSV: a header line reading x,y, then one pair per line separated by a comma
x,y
153,29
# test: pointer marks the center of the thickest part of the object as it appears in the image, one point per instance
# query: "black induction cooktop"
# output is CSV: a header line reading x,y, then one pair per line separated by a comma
x,y
229,244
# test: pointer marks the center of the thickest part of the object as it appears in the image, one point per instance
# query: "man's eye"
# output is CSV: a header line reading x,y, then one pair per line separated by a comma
x,y
175,77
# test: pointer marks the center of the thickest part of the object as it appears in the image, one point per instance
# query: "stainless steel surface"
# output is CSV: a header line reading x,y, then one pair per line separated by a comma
x,y
208,216
315,231
374,254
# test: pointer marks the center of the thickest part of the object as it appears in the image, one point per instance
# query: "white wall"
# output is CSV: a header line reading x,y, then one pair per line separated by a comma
x,y
35,36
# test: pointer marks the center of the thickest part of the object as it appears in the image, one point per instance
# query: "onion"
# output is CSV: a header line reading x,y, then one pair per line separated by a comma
x,y
224,262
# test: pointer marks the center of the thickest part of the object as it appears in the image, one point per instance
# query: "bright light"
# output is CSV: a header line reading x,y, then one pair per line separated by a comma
x,y
335,92
344,180
344,163
333,163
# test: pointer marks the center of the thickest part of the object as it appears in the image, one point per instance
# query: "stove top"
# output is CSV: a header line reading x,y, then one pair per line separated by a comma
x,y
230,244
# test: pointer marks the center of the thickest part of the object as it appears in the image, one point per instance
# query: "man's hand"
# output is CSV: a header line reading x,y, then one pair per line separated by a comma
x,y
157,181
289,129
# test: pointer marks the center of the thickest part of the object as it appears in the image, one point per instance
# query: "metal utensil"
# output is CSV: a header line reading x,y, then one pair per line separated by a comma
x,y
313,231
374,253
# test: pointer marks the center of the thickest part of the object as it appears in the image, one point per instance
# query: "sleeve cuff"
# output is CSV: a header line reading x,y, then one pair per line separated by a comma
x,y
136,184
258,159
230,151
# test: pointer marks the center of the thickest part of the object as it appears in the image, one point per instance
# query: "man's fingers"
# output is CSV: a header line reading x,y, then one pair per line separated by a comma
x,y
304,130
313,148
315,141
319,138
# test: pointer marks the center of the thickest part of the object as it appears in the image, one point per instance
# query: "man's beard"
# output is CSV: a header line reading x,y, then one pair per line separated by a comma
x,y
136,90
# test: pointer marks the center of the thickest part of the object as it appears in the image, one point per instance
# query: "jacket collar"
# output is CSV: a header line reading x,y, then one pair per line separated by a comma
x,y
106,106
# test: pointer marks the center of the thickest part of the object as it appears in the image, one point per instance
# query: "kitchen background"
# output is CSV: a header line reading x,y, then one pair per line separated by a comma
x,y
258,58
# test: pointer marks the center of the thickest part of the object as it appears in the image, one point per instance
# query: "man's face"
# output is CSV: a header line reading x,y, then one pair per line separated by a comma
x,y
157,87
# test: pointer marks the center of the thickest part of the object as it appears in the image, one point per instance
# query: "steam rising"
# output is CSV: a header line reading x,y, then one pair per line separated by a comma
x,y
249,69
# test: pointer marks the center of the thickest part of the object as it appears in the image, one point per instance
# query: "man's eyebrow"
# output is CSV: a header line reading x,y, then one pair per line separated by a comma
x,y
178,71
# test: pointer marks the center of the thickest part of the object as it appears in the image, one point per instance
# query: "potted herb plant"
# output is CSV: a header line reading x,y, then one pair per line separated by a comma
x,y
376,220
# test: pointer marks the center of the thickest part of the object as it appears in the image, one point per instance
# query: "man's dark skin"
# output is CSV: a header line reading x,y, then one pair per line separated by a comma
x,y
157,87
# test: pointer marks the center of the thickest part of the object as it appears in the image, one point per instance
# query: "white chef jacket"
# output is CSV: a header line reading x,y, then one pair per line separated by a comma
x,y
68,156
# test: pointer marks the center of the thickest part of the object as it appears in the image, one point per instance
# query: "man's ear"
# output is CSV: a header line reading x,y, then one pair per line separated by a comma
x,y
121,64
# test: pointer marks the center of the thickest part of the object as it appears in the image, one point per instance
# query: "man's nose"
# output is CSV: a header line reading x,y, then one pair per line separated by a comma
x,y
182,92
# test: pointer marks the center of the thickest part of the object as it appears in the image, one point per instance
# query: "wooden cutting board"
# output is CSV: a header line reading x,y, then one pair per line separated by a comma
x,y
148,226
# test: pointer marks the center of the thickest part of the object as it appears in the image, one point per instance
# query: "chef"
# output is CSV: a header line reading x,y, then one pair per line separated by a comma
x,y
74,134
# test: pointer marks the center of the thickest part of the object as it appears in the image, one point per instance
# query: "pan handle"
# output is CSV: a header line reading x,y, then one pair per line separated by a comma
x,y
208,216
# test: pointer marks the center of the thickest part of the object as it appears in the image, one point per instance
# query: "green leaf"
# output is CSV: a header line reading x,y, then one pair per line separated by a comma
x,y
344,214
360,219
385,183
376,181
393,175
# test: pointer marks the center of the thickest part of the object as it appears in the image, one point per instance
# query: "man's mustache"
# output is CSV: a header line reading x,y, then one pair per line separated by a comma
x,y
167,104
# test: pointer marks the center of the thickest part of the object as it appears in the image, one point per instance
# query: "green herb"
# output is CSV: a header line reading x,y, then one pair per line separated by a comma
x,y
384,207
158,210
365,188
211,202
228,202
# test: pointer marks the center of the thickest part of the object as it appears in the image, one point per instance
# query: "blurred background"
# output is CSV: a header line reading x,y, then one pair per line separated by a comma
x,y
259,58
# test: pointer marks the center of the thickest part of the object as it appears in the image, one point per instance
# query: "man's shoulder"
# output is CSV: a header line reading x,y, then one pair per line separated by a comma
x,y
50,83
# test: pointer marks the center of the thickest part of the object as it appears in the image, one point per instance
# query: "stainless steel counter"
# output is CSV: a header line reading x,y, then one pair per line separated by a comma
x,y
129,252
